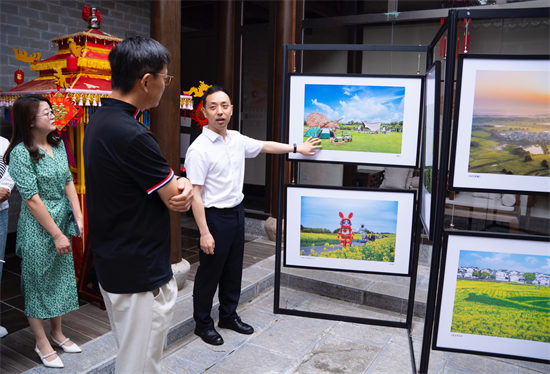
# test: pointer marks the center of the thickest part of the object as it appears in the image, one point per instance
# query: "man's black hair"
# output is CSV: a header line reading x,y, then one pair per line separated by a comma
x,y
213,90
132,58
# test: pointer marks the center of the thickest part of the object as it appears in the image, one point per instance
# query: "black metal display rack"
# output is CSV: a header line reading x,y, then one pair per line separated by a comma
x,y
450,27
416,224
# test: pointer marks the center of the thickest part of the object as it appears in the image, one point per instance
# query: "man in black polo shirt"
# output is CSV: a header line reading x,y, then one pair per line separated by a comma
x,y
129,188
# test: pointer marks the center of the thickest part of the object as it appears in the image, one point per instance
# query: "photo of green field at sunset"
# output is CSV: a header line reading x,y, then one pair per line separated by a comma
x,y
511,123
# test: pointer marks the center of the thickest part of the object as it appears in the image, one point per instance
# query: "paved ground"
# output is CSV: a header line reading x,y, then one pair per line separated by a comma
x,y
288,344
285,344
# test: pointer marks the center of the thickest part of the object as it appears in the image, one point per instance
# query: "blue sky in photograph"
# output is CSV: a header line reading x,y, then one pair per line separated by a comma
x,y
506,261
357,103
322,212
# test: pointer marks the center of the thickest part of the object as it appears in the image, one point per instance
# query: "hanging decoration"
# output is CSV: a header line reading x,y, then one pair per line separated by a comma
x,y
72,63
19,76
443,43
67,112
467,24
197,115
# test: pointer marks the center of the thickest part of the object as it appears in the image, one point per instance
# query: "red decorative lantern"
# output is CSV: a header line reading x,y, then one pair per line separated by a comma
x,y
72,63
198,115
19,77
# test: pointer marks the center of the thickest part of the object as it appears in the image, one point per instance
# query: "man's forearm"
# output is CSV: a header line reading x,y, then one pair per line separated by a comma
x,y
199,214
276,148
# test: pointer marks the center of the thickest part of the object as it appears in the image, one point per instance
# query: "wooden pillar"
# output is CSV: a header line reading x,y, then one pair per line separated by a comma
x,y
285,22
226,49
165,119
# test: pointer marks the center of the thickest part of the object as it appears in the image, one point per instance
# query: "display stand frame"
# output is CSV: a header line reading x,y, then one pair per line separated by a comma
x,y
281,199
450,26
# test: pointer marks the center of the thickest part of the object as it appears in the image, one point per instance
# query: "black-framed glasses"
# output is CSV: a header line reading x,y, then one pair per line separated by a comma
x,y
167,78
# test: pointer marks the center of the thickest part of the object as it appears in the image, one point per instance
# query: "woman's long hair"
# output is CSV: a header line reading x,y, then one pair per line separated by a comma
x,y
25,109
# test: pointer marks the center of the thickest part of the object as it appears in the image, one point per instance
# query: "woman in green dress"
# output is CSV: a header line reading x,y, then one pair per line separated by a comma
x,y
38,165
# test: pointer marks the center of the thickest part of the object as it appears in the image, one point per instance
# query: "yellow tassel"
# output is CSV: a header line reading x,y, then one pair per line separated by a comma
x,y
49,65
101,51
90,63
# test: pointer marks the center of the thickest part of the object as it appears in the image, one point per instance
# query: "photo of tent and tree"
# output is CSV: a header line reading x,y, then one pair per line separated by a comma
x,y
502,294
511,123
355,118
369,225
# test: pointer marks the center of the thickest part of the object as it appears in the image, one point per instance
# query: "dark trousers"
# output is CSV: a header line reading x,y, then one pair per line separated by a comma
x,y
223,268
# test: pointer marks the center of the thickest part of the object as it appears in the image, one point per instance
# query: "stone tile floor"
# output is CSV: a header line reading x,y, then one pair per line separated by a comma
x,y
281,343
284,344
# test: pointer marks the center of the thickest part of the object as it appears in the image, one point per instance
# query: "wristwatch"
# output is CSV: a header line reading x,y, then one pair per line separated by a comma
x,y
294,148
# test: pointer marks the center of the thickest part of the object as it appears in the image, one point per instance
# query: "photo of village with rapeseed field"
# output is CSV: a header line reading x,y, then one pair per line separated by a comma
x,y
355,118
511,123
502,294
350,229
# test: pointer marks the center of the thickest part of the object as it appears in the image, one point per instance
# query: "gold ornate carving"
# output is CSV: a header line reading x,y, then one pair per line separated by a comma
x,y
74,48
22,56
60,79
198,92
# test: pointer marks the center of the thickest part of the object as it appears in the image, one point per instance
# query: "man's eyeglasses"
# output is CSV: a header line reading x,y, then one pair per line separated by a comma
x,y
167,78
48,114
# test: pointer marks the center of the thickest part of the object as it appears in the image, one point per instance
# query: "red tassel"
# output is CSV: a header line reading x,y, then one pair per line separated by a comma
x,y
441,22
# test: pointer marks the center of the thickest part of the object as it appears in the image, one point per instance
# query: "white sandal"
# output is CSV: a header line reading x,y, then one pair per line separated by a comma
x,y
57,363
70,348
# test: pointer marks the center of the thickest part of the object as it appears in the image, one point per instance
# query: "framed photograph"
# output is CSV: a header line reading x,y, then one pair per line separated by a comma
x,y
349,229
360,119
430,147
502,126
494,296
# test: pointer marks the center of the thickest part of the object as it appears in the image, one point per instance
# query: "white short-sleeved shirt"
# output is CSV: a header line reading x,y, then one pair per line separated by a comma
x,y
5,179
218,165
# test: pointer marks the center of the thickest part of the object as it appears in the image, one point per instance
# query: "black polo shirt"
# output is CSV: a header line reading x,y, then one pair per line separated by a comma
x,y
129,225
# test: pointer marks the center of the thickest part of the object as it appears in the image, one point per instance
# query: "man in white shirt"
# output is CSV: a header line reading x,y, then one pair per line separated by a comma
x,y
215,166
6,185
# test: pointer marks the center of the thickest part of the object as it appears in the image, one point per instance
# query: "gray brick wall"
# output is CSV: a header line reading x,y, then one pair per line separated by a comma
x,y
30,24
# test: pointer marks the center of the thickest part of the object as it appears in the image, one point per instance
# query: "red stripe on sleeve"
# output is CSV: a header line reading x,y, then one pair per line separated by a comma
x,y
161,184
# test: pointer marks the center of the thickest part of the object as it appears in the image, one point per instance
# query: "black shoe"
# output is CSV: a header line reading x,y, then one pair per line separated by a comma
x,y
237,325
210,336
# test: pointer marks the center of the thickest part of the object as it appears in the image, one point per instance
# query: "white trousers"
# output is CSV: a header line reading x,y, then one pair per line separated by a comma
x,y
140,323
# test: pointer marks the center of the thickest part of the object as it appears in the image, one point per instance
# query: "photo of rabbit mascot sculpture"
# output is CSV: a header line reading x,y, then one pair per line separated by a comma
x,y
346,233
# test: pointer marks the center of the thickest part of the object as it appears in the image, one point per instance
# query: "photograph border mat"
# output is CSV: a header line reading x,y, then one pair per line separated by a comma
x,y
411,118
459,177
444,339
403,246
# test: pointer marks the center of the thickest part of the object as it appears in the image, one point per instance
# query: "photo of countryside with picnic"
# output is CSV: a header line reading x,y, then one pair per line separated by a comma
x,y
511,123
502,294
351,229
355,118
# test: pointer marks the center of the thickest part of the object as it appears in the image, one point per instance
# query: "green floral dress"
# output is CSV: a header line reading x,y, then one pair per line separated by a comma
x,y
47,278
